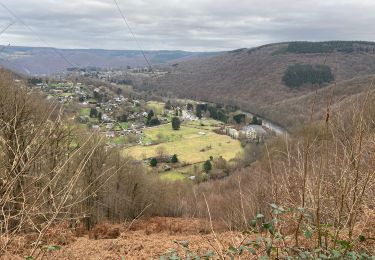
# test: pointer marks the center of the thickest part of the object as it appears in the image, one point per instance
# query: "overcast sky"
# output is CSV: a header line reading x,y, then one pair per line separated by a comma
x,y
195,25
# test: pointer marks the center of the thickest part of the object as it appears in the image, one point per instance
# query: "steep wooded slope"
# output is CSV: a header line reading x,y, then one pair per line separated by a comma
x,y
252,78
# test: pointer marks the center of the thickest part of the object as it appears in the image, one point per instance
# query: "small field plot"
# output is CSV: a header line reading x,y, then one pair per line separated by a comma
x,y
157,107
165,133
191,144
207,124
172,176
84,111
182,173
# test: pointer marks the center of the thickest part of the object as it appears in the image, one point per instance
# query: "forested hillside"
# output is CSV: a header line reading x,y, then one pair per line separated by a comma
x,y
253,78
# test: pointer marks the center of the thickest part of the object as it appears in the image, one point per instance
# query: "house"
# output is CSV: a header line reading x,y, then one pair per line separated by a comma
x,y
249,132
232,132
253,132
137,126
96,128
106,118
186,115
110,134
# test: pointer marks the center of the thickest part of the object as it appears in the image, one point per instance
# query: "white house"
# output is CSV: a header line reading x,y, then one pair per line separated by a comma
x,y
110,134
253,132
232,133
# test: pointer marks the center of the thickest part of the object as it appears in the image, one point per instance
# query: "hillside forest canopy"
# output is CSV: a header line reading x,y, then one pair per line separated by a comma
x,y
298,75
329,46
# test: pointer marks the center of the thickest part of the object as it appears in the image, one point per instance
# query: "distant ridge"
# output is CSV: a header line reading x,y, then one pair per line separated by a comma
x,y
45,60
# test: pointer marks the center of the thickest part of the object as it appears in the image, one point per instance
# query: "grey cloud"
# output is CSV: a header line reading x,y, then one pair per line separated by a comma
x,y
204,25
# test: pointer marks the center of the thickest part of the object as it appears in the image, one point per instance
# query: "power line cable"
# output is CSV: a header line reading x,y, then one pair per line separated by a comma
x,y
133,35
6,28
37,35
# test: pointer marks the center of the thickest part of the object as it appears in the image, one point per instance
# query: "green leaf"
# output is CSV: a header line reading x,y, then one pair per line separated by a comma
x,y
335,253
253,222
29,258
318,250
241,249
259,216
345,244
278,211
352,255
308,234
174,257
232,250
53,248
269,226
268,246
251,250
208,254
274,206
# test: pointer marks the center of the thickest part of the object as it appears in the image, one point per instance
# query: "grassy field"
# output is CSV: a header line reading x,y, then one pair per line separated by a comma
x,y
183,172
124,125
84,111
205,124
172,176
66,94
164,133
190,143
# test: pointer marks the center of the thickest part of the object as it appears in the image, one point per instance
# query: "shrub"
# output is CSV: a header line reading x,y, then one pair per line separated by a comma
x,y
256,121
207,166
174,159
176,123
239,118
153,162
154,121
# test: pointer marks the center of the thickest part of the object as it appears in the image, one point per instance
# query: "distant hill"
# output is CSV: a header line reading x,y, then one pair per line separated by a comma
x,y
32,60
253,78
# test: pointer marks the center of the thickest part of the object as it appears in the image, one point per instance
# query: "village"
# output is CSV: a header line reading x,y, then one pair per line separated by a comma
x,y
143,128
116,116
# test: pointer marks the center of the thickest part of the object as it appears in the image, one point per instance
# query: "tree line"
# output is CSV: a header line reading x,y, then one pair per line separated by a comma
x,y
330,46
